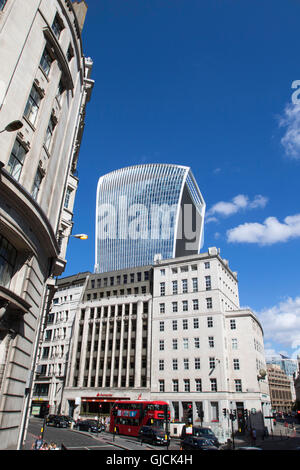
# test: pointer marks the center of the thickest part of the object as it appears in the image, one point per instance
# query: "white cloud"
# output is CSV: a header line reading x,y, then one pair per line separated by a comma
x,y
238,203
270,232
281,324
291,139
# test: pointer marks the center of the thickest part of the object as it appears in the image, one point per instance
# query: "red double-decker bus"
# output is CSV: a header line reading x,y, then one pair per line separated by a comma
x,y
127,417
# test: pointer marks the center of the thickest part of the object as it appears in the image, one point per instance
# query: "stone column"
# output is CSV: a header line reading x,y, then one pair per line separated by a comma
x,y
121,347
128,346
138,344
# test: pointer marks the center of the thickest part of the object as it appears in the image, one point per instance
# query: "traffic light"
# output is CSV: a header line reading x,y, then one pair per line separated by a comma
x,y
224,412
245,414
190,413
234,414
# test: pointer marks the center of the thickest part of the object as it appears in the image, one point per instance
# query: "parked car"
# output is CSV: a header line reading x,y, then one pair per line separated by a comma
x,y
60,422
50,419
90,425
197,443
153,435
69,419
197,431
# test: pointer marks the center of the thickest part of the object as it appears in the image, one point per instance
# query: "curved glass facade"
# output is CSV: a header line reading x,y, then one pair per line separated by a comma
x,y
145,210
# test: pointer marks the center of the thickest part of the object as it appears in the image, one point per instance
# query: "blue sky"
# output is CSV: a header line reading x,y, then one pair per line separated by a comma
x,y
205,84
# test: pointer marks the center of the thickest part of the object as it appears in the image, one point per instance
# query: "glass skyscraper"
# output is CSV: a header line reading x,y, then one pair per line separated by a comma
x,y
145,211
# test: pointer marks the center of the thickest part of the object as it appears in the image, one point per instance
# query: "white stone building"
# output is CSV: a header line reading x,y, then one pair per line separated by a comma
x,y
53,356
206,350
44,83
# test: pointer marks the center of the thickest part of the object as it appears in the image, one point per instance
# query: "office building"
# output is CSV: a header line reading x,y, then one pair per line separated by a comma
x,y
145,211
45,84
173,331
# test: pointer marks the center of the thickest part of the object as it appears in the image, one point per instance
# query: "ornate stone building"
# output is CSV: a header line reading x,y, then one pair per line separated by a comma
x,y
45,84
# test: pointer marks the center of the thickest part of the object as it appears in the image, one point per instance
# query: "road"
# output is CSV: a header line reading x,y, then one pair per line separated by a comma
x,y
80,440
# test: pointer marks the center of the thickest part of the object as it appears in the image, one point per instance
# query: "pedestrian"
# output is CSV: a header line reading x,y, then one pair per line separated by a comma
x,y
44,446
53,446
253,436
38,443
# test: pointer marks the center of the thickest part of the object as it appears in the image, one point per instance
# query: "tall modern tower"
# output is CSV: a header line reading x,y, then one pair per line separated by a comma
x,y
144,212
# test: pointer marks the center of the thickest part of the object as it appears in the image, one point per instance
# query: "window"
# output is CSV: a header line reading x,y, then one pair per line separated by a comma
x,y
174,307
67,198
57,26
70,53
186,383
208,302
161,308
60,91
161,345
8,255
185,343
185,324
32,106
210,322
238,385
196,322
232,324
175,343
162,288
161,364
197,343
234,343
184,286
46,61
207,283
236,364
161,326
175,364
162,272
207,265
37,183
186,364
195,284
213,385
195,304
212,363
2,4
174,324
197,362
16,160
161,385
198,384
175,385
185,305
174,270
175,287
211,342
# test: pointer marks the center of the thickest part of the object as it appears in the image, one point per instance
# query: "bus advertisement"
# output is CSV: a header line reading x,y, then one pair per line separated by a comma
x,y
127,417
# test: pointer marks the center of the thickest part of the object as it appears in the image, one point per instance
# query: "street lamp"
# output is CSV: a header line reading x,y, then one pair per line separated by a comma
x,y
81,236
12,126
